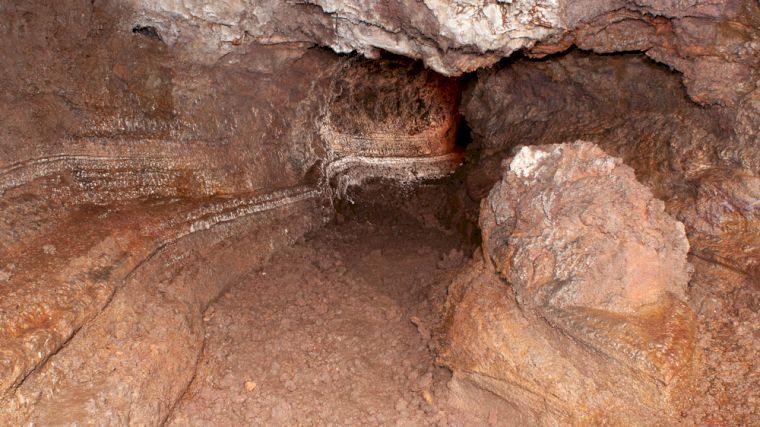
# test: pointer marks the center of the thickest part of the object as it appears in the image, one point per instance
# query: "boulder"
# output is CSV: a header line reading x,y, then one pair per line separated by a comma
x,y
577,311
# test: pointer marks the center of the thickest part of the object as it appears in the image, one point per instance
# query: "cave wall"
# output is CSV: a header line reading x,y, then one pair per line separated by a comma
x,y
134,187
676,130
97,115
636,109
137,184
639,111
83,86
713,43
701,160
98,111
152,152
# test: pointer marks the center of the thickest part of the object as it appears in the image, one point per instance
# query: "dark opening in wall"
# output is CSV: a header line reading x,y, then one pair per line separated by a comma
x,y
464,134
147,31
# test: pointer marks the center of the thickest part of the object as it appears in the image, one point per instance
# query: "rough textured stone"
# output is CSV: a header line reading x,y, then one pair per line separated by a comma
x,y
722,216
569,226
153,151
118,155
577,311
727,303
389,108
132,362
639,112
714,43
631,107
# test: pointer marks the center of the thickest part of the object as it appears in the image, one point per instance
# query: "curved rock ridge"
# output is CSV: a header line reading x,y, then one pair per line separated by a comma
x,y
131,362
577,311
713,43
135,187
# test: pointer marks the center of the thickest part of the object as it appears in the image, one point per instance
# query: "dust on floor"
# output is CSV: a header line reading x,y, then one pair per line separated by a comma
x,y
333,331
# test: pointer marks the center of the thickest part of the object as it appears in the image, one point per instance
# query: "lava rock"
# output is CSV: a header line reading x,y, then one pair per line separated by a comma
x,y
576,311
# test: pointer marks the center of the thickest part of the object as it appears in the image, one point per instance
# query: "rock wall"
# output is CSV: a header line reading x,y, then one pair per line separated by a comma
x,y
638,111
147,146
634,108
700,160
137,184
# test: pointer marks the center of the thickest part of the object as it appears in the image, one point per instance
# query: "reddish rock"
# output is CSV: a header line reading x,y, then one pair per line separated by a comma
x,y
628,105
578,311
569,226
722,216
153,151
136,185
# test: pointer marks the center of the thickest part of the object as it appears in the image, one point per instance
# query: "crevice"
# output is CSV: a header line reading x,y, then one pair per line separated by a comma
x,y
147,31
195,368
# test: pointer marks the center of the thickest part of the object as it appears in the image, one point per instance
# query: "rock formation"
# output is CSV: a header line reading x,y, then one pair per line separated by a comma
x,y
633,108
713,43
722,216
154,151
637,111
577,311
131,181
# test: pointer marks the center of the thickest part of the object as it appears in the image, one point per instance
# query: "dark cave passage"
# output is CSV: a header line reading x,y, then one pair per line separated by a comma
x,y
334,330
210,217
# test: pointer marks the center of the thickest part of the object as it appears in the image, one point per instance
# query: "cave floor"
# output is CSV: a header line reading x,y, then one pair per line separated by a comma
x,y
332,331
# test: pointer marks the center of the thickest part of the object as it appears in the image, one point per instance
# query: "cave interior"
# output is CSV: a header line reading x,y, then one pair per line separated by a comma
x,y
393,213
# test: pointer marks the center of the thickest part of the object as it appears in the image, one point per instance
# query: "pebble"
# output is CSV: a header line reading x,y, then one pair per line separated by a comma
x,y
426,380
427,396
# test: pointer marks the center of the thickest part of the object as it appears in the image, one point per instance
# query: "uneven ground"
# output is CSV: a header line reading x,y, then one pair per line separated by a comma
x,y
326,334
154,153
333,331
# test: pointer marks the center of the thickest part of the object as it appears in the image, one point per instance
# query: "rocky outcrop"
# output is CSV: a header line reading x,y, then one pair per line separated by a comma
x,y
691,157
130,362
151,152
713,43
569,226
577,311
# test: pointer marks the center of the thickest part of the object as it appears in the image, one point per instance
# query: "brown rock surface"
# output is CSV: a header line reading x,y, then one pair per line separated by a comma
x,y
153,152
722,216
134,183
727,304
582,316
702,161
628,105
713,43
132,362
